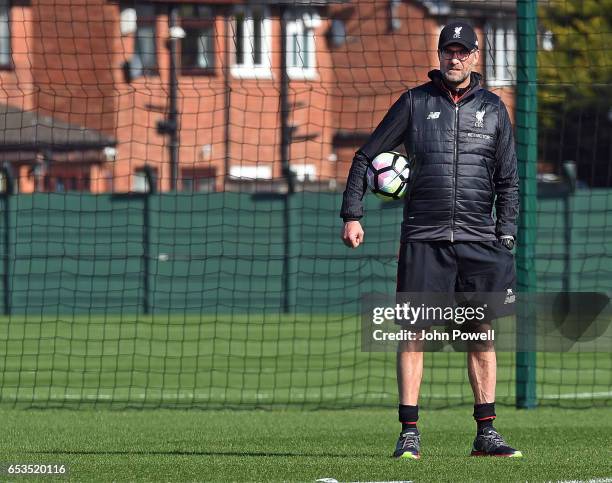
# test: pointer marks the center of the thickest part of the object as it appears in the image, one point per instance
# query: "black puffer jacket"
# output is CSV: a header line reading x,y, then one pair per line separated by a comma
x,y
464,157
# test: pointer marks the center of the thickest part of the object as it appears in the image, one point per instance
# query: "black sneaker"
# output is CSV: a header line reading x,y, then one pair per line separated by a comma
x,y
489,442
408,445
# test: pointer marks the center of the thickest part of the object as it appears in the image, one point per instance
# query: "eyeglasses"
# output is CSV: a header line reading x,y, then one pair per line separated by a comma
x,y
460,55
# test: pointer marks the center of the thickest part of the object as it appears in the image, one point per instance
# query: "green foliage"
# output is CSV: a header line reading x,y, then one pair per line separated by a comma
x,y
582,35
575,79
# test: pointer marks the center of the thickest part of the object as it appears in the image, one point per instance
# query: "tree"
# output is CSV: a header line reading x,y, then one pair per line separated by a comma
x,y
575,87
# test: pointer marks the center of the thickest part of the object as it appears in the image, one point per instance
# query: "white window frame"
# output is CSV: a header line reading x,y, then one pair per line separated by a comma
x,y
199,26
145,34
248,69
301,24
5,34
500,54
305,172
252,172
141,181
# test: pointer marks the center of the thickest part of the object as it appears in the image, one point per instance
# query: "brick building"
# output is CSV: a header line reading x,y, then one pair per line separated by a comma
x,y
95,76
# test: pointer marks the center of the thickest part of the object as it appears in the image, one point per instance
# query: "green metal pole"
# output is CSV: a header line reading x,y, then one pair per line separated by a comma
x,y
289,272
527,146
6,276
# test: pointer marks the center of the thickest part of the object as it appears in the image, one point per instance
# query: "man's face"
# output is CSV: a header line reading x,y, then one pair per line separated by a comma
x,y
456,63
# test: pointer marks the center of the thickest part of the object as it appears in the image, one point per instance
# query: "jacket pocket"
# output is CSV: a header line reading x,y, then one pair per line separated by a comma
x,y
490,174
491,185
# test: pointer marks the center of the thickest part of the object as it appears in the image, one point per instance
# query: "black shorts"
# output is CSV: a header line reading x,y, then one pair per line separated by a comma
x,y
476,267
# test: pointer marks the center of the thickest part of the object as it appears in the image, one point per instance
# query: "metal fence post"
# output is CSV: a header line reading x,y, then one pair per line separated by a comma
x,y
527,145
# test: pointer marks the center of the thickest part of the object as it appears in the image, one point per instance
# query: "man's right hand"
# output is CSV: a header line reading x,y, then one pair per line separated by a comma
x,y
352,234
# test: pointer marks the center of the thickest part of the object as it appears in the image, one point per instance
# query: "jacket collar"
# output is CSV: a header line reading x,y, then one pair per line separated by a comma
x,y
475,80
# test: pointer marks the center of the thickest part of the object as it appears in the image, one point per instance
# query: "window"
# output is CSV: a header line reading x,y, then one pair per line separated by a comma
x,y
252,28
395,20
144,61
301,44
66,179
144,180
5,34
198,46
500,41
337,33
305,172
251,172
547,40
198,179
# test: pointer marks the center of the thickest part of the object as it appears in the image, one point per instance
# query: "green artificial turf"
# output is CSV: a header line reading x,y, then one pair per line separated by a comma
x,y
347,445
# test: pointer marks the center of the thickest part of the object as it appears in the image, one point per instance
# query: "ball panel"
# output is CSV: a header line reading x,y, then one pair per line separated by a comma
x,y
401,164
387,175
389,182
383,160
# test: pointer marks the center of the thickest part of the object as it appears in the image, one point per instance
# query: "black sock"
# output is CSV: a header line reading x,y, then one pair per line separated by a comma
x,y
484,414
408,416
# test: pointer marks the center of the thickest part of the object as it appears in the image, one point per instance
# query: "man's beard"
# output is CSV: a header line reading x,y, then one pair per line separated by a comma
x,y
454,82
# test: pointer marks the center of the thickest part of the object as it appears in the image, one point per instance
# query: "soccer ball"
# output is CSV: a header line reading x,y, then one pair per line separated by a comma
x,y
388,175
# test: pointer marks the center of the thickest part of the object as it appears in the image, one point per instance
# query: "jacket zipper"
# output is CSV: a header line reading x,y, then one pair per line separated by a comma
x,y
452,237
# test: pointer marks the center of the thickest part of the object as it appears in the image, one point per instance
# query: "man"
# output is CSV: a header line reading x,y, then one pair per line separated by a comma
x,y
461,140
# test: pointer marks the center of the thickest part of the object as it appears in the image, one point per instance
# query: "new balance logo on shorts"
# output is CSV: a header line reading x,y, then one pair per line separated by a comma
x,y
433,115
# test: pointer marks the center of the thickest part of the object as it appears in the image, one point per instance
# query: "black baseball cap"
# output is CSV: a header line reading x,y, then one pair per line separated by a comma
x,y
458,33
